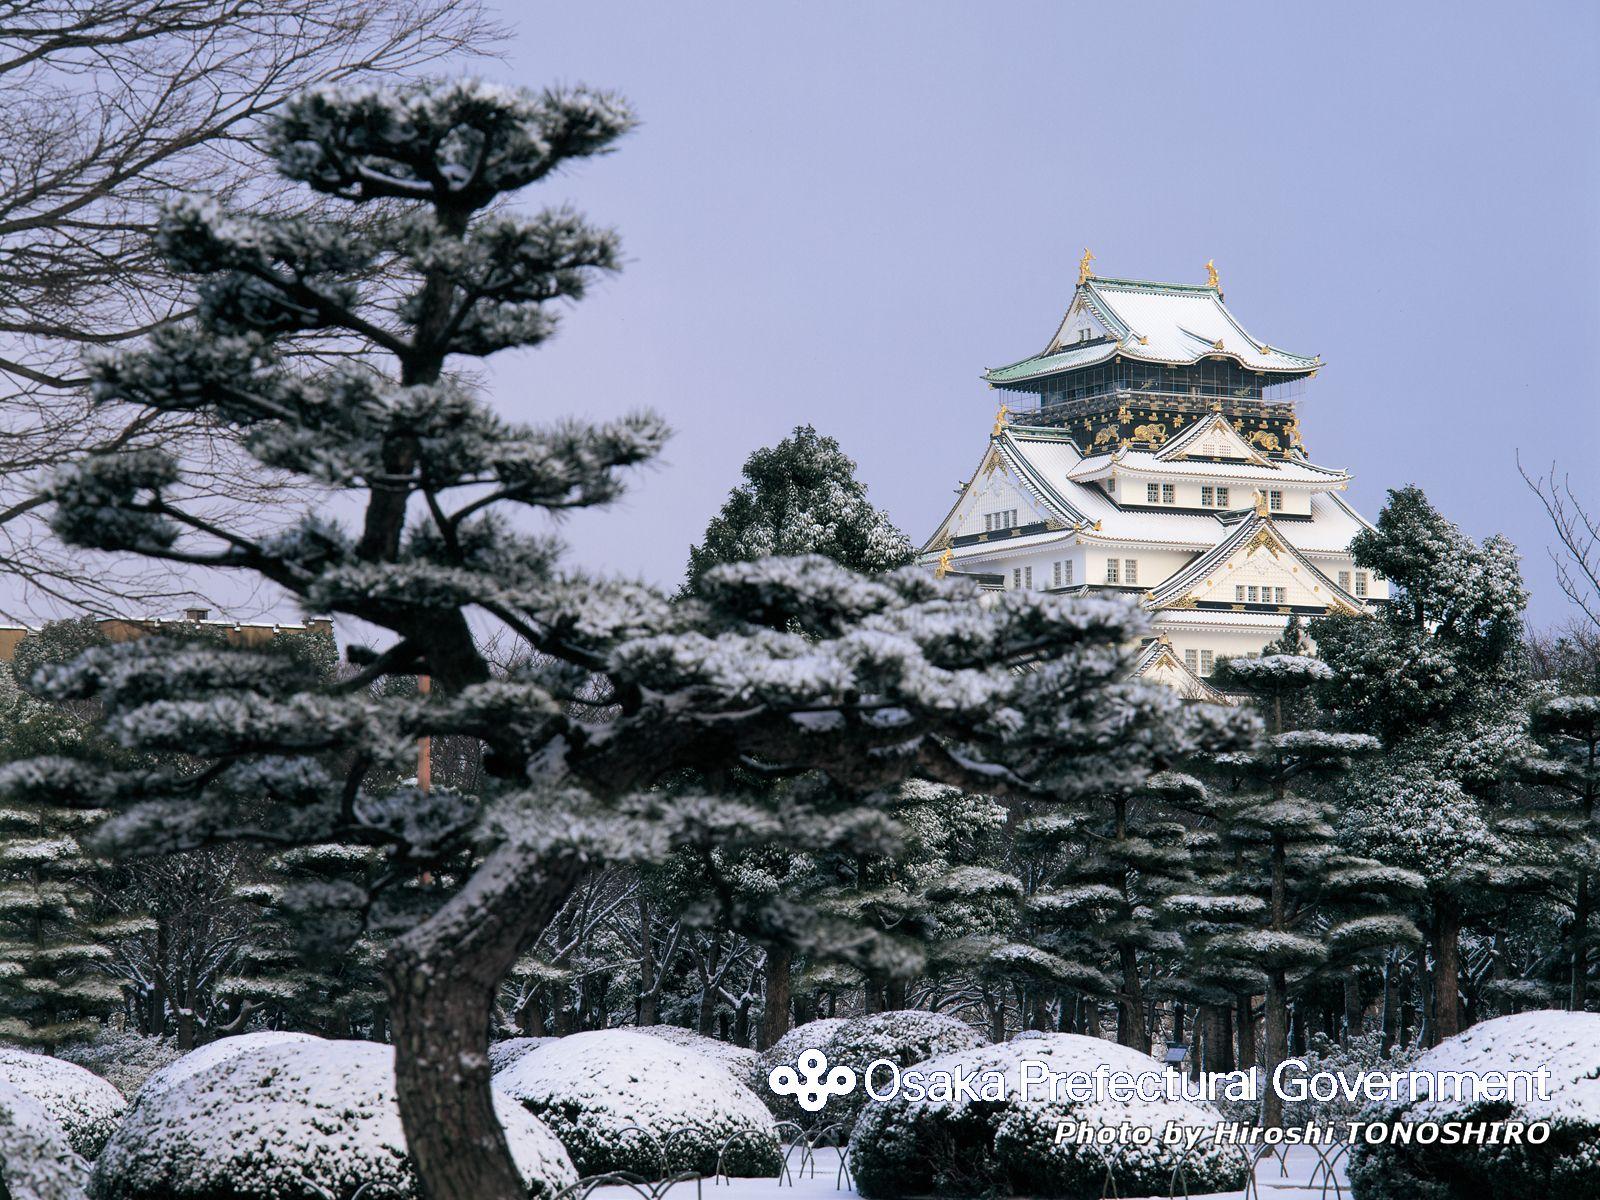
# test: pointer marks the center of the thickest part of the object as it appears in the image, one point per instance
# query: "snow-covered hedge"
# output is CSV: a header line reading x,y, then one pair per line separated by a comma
x,y
954,1147
36,1161
212,1053
122,1058
503,1054
85,1106
738,1059
1568,1165
597,1090
291,1121
904,1037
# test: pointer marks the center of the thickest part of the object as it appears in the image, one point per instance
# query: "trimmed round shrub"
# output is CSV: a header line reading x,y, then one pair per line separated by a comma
x,y
292,1121
86,1107
122,1058
1566,1166
36,1161
620,1101
945,1145
904,1037
212,1053
738,1059
503,1054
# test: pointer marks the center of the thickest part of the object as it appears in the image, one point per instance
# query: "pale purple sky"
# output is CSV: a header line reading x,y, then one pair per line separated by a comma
x,y
841,213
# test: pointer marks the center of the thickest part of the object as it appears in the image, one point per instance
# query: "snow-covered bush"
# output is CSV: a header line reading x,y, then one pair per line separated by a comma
x,y
1568,1165
292,1121
1360,1055
597,1090
85,1106
742,1061
212,1053
36,1161
503,1054
944,1146
121,1057
904,1037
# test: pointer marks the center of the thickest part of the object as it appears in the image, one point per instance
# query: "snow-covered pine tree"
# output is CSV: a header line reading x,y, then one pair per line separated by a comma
x,y
56,940
801,497
1566,772
778,667
1098,905
1321,906
1439,675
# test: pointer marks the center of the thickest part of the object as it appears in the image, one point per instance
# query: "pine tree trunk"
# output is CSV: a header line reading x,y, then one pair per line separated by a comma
x,y
1580,945
1245,1022
1354,1010
1219,1039
1130,1019
442,978
780,994
1276,1048
1447,975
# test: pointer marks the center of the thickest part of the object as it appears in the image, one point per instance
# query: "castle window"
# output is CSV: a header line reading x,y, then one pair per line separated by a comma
x,y
1222,497
1206,662
1130,570
1169,494
1361,583
995,521
1191,659
1344,580
1111,570
1254,594
1208,497
1063,573
1152,493
1275,500
1278,595
1022,577
1238,592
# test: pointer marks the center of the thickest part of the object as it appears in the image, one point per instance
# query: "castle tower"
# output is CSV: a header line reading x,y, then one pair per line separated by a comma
x,y
1153,450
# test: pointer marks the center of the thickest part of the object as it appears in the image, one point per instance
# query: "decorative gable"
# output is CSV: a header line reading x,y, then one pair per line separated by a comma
x,y
1213,437
1260,570
996,499
1080,325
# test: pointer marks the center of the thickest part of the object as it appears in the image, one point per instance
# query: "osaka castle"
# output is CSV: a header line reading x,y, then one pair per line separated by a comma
x,y
1152,449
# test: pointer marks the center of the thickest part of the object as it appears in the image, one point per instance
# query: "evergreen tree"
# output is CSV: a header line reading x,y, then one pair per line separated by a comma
x,y
798,497
1566,772
775,668
1438,674
1308,906
801,497
56,942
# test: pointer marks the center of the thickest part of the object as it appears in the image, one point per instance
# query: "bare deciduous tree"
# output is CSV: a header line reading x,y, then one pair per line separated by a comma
x,y
109,108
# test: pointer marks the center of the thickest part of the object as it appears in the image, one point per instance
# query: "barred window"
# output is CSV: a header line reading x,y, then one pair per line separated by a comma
x,y
1111,570
1130,570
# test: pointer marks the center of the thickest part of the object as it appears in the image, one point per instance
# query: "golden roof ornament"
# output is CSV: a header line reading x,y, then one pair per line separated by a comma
x,y
1211,275
942,567
1000,420
1261,503
1083,267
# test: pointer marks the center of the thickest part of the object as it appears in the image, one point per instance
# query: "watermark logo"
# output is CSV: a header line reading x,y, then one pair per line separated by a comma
x,y
813,1083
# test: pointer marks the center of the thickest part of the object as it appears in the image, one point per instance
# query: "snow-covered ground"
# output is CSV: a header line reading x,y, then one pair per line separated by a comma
x,y
1290,1179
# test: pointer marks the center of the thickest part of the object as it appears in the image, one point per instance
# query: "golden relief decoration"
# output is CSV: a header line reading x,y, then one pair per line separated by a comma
x,y
1189,601
1107,435
1263,440
1265,538
1150,433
